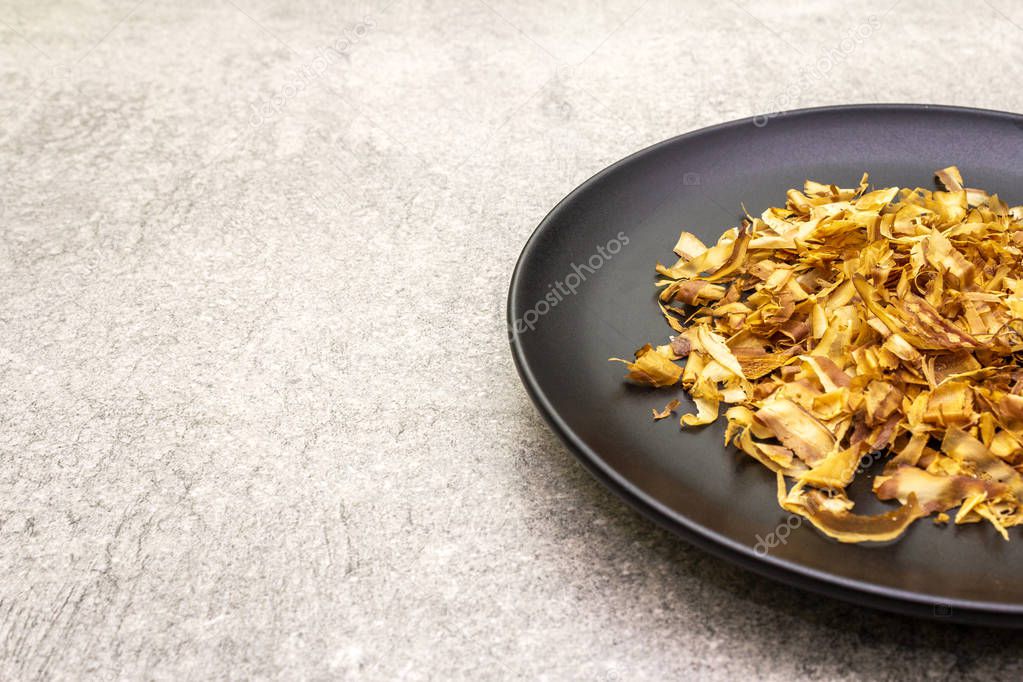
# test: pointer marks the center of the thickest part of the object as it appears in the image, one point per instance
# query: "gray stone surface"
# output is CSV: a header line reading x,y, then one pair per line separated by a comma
x,y
258,417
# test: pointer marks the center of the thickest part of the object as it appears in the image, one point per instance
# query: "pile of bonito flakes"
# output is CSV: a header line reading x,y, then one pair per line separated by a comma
x,y
850,323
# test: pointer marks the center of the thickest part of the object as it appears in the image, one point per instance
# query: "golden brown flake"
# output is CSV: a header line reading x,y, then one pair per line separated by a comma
x,y
667,411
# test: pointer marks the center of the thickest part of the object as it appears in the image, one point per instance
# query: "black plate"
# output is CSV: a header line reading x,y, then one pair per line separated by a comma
x,y
583,291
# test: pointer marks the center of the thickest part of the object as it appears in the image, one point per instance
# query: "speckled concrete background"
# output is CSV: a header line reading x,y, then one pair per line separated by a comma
x,y
258,417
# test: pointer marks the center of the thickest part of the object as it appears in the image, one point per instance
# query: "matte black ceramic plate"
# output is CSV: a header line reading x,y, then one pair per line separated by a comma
x,y
583,291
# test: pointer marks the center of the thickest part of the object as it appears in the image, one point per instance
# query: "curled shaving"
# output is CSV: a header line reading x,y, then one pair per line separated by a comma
x,y
850,323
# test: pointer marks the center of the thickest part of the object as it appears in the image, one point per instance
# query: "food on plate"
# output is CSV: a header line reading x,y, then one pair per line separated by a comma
x,y
852,325
668,410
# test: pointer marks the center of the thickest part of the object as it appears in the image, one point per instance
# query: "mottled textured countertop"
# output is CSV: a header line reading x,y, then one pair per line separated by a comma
x,y
259,417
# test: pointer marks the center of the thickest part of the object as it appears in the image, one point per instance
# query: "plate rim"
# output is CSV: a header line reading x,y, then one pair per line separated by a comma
x,y
907,602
